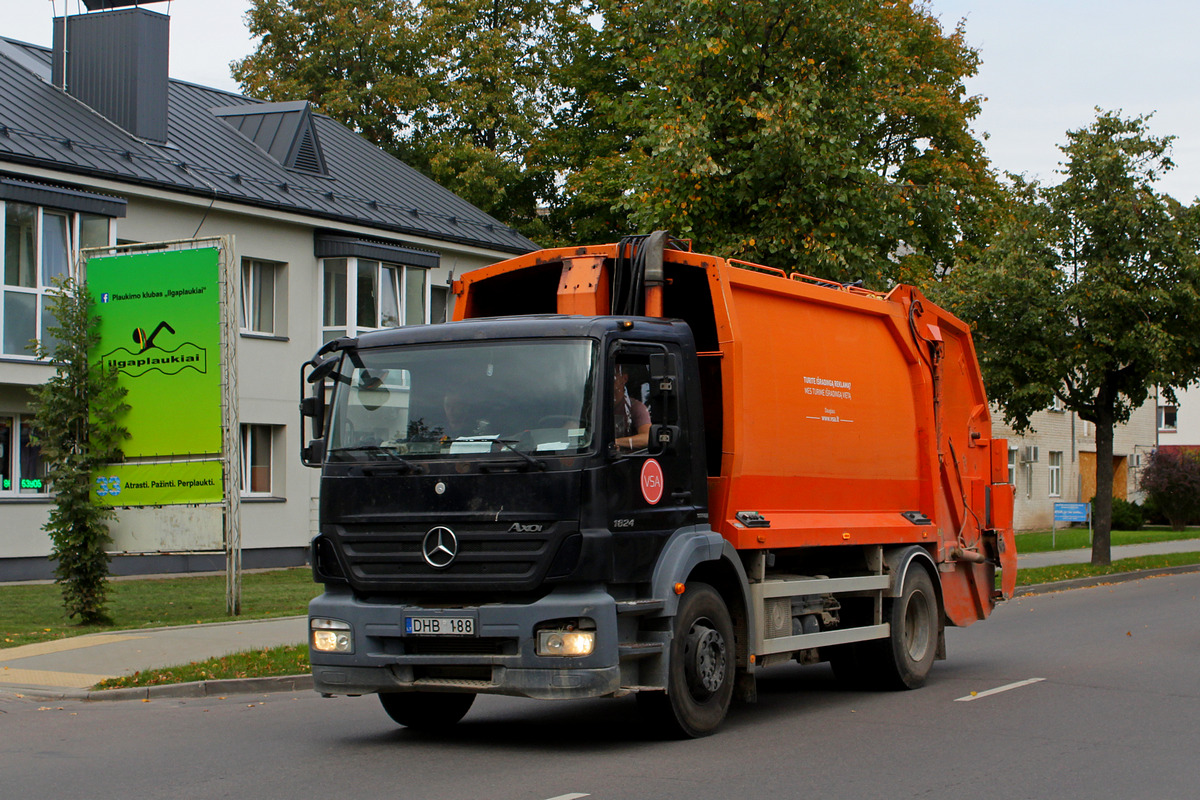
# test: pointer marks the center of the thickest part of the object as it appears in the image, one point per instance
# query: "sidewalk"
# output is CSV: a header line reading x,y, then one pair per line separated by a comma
x,y
66,668
1083,556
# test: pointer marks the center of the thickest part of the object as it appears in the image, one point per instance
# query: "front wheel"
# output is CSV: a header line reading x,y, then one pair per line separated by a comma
x,y
426,711
701,670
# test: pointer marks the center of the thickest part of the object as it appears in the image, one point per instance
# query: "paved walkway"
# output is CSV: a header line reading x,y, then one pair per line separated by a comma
x,y
1058,557
68,667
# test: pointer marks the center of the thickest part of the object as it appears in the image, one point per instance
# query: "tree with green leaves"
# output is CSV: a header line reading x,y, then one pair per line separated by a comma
x,y
77,426
829,137
1088,292
463,90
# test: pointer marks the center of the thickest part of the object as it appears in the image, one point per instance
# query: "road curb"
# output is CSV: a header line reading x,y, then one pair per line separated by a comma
x,y
1102,580
195,689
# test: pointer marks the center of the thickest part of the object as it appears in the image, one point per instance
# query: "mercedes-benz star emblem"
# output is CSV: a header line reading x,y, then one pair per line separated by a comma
x,y
440,547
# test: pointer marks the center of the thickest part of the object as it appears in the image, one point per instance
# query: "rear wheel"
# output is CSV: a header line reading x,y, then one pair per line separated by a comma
x,y
426,711
702,666
904,659
913,643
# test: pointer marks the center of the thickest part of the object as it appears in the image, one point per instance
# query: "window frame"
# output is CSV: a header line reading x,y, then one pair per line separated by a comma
x,y
379,274
250,290
41,289
247,446
12,460
1055,466
1163,411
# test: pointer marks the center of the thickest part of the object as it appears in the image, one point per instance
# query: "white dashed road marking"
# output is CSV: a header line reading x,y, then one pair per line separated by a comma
x,y
997,690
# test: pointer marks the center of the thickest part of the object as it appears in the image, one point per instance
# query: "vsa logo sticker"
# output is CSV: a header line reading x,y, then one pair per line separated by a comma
x,y
652,481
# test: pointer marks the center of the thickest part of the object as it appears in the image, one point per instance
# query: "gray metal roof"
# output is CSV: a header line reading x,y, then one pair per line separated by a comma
x,y
211,155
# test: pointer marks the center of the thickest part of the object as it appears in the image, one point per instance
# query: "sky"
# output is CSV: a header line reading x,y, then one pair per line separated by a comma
x,y
1046,65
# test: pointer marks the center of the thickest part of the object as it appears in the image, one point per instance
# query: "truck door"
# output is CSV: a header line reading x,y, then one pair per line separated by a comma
x,y
650,474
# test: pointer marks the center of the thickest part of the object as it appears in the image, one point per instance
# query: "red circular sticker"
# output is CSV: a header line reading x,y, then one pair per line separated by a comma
x,y
652,481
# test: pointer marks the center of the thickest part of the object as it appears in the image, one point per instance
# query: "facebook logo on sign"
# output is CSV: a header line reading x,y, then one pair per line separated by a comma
x,y
104,297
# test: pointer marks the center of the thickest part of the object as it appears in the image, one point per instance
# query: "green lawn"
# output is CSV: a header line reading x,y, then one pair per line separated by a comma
x,y
1066,572
35,613
1077,538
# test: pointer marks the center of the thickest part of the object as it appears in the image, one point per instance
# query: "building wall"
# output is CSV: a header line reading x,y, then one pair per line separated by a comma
x,y
1063,432
1186,430
275,528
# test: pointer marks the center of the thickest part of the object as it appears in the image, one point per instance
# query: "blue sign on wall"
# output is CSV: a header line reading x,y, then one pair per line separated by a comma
x,y
1072,512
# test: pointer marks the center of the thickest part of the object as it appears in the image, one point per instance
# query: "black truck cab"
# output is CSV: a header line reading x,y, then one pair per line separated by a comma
x,y
490,519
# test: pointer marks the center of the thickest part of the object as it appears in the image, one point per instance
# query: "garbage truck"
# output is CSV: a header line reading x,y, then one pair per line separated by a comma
x,y
638,469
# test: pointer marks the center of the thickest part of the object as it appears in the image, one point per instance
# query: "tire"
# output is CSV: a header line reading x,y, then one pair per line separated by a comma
x,y
426,711
910,650
701,668
904,659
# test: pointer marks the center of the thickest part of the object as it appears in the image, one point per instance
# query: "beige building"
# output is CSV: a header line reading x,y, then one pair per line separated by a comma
x,y
331,237
1055,462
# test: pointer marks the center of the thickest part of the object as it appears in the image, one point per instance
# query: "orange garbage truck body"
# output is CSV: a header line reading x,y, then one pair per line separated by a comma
x,y
846,498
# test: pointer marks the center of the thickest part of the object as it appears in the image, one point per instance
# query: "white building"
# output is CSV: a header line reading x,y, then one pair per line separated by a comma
x,y
1179,422
332,237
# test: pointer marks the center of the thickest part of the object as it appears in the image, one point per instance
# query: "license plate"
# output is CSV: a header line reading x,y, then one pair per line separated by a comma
x,y
439,626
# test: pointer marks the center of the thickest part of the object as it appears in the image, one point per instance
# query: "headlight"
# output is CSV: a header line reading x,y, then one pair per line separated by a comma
x,y
565,643
331,636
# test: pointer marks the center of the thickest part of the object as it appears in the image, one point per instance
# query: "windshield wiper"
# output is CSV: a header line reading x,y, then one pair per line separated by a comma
x,y
536,463
391,455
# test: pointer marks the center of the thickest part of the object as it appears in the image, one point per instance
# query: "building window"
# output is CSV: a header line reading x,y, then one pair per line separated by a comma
x,y
256,457
362,294
1057,405
264,293
439,303
1056,473
21,468
39,247
1012,466
1168,419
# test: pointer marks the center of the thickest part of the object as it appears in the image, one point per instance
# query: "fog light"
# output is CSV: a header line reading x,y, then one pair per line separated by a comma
x,y
566,643
331,636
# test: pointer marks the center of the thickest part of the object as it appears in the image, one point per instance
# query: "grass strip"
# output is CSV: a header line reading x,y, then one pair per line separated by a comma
x,y
34,613
1067,572
288,659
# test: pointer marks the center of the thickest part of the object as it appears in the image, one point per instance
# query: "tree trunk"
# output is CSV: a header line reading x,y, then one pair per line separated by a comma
x,y
1102,510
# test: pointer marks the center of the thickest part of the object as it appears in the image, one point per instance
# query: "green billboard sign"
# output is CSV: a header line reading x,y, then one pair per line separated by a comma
x,y
159,484
160,326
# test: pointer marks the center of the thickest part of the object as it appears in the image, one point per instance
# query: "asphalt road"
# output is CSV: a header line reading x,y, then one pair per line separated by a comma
x,y
1104,702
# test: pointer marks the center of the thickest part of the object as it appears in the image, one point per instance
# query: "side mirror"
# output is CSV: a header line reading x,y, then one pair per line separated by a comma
x,y
663,439
313,407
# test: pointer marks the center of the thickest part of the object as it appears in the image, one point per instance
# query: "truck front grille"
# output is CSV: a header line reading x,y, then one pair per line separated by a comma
x,y
390,558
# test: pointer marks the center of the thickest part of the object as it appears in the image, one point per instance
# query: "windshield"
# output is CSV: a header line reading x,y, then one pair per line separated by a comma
x,y
459,399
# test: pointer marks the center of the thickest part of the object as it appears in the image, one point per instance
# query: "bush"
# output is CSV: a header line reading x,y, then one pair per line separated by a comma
x,y
1151,513
1126,516
1172,480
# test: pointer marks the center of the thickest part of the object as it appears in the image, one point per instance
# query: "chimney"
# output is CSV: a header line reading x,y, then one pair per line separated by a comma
x,y
116,62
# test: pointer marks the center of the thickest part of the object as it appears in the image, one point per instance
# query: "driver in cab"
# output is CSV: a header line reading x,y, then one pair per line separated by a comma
x,y
631,418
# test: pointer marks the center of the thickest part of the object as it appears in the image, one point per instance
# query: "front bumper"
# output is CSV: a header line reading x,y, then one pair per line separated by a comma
x,y
500,659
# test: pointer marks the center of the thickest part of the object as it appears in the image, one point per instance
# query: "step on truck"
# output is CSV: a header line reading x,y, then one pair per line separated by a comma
x,y
637,469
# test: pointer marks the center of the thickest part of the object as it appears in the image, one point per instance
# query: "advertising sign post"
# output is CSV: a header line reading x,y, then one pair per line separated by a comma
x,y
167,326
1071,512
